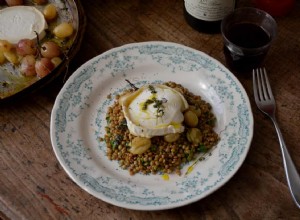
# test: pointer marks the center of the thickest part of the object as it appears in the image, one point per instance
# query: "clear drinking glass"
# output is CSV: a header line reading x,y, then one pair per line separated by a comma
x,y
247,35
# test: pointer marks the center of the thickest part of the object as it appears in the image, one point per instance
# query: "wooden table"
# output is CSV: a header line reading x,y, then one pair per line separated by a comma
x,y
33,185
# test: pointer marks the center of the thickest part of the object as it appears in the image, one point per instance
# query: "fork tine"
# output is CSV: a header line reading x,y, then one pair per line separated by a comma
x,y
259,84
264,94
267,82
256,96
260,94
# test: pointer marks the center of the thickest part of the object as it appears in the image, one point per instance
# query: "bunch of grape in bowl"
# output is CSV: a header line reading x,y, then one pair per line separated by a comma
x,y
35,38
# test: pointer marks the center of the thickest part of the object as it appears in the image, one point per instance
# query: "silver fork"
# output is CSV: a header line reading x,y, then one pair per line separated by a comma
x,y
266,103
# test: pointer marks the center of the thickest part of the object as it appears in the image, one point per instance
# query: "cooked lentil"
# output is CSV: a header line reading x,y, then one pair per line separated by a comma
x,y
162,156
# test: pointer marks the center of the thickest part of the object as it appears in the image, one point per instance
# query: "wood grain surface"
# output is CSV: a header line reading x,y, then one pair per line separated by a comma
x,y
33,185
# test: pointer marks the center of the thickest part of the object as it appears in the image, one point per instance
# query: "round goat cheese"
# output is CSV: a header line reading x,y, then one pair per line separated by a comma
x,y
154,110
21,22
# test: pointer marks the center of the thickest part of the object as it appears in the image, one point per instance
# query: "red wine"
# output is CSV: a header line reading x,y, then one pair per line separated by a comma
x,y
249,36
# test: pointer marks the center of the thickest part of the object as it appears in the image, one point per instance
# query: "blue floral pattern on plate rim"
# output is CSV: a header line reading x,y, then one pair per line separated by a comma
x,y
78,121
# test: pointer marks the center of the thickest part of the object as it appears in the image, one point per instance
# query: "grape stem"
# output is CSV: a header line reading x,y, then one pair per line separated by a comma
x,y
67,66
39,54
132,85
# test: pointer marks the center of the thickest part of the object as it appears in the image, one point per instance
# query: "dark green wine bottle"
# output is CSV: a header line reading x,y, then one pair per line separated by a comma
x,y
206,15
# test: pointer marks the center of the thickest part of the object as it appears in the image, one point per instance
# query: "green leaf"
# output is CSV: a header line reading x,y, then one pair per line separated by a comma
x,y
202,148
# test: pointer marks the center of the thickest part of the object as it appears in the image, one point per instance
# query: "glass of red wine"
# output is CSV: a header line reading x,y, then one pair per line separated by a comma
x,y
247,34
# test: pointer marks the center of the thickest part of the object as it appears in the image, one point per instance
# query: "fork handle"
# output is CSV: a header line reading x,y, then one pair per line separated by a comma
x,y
292,176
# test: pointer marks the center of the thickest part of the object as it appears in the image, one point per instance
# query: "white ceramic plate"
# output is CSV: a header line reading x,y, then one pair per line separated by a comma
x,y
78,121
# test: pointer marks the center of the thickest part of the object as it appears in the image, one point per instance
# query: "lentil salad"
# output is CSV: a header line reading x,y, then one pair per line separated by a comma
x,y
165,154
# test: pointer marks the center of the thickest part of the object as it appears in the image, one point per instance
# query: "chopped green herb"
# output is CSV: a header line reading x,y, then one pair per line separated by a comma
x,y
153,148
4,84
157,103
116,142
152,89
202,148
148,102
190,156
123,124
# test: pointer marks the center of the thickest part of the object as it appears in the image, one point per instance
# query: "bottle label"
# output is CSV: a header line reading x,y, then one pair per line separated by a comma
x,y
209,10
